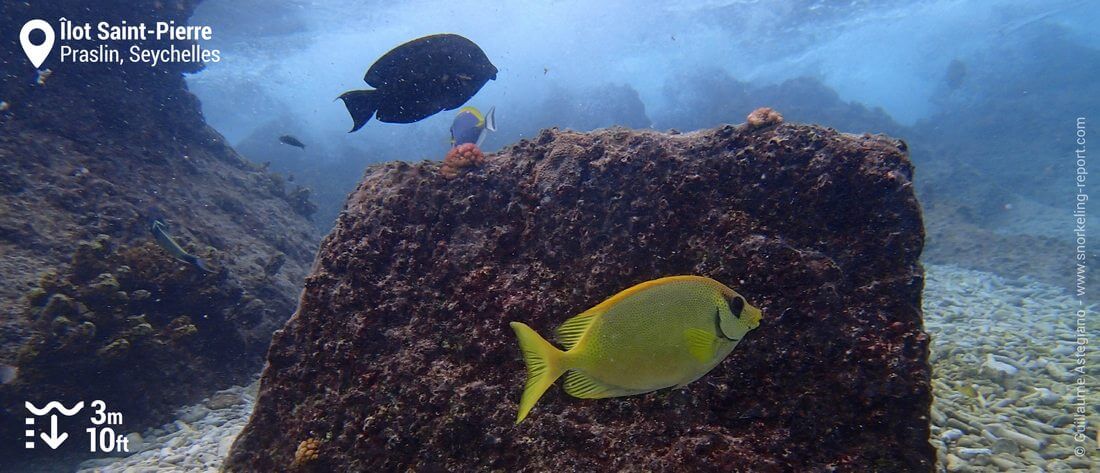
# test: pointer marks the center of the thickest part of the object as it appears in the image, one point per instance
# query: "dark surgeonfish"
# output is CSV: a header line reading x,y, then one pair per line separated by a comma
x,y
470,126
955,74
160,234
292,141
419,79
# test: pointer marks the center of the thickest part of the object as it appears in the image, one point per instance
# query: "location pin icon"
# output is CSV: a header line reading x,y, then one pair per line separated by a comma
x,y
36,53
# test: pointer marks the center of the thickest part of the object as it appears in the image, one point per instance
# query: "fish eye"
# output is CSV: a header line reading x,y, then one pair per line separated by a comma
x,y
737,305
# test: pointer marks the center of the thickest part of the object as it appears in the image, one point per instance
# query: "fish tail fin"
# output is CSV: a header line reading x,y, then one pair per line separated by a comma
x,y
491,119
545,364
361,105
195,260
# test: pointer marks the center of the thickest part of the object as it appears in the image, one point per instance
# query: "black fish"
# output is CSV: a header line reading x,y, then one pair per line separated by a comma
x,y
955,74
419,79
292,141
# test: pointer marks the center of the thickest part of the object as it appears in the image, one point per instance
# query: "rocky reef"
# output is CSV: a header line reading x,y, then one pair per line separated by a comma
x,y
124,321
89,155
400,356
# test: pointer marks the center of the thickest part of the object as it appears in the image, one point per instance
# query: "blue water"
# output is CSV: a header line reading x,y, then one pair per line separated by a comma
x,y
285,62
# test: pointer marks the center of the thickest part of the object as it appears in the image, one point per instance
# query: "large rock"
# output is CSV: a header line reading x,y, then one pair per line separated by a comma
x,y
400,356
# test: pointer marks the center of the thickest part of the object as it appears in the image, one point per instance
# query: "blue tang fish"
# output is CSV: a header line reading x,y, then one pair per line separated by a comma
x,y
470,126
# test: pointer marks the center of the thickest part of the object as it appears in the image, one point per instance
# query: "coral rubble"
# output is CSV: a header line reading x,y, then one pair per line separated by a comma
x,y
401,357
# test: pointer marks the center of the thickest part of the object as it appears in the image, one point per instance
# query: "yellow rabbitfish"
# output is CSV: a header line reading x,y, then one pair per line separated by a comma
x,y
660,333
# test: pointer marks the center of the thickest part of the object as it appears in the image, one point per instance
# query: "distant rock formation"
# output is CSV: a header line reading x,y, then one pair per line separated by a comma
x,y
102,149
400,356
703,98
599,106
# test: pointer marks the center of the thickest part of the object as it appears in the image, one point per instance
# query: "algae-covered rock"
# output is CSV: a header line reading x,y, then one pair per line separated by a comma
x,y
87,160
401,356
115,350
181,327
300,202
57,305
120,336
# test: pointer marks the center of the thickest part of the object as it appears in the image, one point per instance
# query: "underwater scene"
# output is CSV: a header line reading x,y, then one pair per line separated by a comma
x,y
542,236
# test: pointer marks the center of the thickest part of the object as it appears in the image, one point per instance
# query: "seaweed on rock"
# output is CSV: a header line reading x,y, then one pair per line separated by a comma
x,y
103,149
299,201
135,317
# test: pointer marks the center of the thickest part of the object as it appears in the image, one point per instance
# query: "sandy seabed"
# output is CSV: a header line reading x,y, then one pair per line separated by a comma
x,y
1005,367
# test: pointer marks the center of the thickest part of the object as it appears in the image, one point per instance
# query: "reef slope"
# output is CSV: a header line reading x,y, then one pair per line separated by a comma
x,y
400,356
92,308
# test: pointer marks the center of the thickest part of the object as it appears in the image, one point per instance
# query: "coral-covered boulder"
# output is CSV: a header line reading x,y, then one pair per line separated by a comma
x,y
400,356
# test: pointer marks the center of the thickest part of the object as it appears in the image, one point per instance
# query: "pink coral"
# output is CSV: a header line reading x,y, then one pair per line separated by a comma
x,y
462,156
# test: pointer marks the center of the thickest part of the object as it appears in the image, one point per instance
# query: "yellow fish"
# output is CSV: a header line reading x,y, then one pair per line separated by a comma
x,y
660,333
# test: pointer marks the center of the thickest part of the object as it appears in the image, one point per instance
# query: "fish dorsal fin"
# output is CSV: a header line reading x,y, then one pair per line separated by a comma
x,y
571,331
491,119
475,112
701,344
578,384
611,301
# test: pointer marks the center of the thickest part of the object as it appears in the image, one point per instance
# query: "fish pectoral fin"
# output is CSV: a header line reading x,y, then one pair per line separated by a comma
x,y
701,344
571,331
581,385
